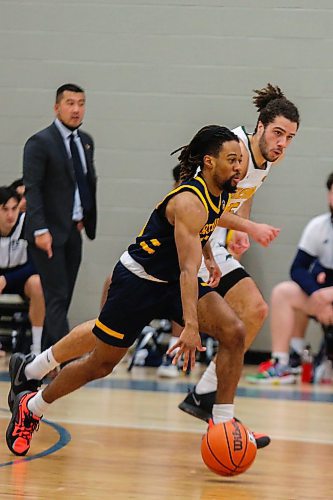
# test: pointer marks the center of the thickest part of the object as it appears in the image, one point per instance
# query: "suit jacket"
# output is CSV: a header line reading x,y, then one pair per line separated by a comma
x,y
50,183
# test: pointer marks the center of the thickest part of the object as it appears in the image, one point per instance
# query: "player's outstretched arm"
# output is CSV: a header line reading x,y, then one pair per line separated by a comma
x,y
188,215
263,234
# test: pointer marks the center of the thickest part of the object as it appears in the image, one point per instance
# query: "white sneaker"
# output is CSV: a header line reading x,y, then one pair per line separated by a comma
x,y
167,369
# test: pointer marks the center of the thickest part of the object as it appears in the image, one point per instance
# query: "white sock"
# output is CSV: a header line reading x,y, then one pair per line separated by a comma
x,y
36,339
37,405
297,344
41,365
208,381
223,413
282,357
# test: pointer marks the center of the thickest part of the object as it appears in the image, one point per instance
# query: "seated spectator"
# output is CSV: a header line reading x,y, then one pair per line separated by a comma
x,y
19,187
309,294
17,273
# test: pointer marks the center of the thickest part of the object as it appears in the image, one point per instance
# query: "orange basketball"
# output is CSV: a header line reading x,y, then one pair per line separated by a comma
x,y
228,449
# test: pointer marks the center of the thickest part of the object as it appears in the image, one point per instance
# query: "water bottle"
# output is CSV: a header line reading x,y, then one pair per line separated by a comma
x,y
323,373
307,365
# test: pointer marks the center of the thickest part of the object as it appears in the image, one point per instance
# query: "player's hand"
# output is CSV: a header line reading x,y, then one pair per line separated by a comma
x,y
238,243
44,242
321,278
189,342
264,234
214,272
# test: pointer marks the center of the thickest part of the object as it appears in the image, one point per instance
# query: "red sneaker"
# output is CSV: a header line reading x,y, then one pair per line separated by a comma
x,y
22,425
262,440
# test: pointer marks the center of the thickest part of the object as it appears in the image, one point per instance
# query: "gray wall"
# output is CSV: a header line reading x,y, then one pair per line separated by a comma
x,y
154,73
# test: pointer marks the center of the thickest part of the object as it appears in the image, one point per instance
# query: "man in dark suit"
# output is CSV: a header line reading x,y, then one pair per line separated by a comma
x,y
60,181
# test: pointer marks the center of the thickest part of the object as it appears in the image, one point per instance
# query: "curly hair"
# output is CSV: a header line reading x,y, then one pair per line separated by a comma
x,y
271,102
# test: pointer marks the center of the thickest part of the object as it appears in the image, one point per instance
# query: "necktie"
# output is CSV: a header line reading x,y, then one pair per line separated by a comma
x,y
81,179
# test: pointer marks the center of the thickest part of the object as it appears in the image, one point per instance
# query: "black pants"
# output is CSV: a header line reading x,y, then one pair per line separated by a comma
x,y
58,276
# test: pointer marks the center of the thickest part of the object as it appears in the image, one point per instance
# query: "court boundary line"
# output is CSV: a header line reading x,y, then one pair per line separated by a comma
x,y
154,427
64,438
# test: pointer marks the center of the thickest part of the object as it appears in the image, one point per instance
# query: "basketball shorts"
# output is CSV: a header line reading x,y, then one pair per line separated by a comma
x,y
134,302
18,284
231,269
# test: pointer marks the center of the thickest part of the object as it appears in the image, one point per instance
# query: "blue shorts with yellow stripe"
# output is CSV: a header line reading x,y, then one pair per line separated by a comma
x,y
133,302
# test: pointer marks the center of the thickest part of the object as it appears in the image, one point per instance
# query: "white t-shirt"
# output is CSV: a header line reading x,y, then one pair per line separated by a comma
x,y
317,239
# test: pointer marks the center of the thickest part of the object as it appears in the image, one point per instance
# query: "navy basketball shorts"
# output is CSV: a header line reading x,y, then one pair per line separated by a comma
x,y
17,287
134,302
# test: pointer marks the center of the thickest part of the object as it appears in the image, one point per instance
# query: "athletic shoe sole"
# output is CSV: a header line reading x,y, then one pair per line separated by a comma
x,y
195,411
286,380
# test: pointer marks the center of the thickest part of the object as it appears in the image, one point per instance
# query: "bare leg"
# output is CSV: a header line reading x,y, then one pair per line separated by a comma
x,y
249,305
33,290
288,310
99,363
300,325
76,343
217,319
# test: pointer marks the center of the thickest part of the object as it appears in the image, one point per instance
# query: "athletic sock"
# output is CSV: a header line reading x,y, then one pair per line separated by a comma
x,y
282,357
41,365
37,405
297,344
223,413
36,339
208,381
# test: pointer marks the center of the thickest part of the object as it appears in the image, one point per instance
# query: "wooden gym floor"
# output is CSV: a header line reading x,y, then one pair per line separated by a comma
x,y
124,438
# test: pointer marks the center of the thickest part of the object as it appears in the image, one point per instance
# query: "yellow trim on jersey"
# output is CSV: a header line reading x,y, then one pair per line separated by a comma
x,y
214,207
187,186
107,330
142,230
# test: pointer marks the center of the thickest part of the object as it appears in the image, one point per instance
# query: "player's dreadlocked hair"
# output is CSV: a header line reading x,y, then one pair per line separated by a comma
x,y
208,141
271,102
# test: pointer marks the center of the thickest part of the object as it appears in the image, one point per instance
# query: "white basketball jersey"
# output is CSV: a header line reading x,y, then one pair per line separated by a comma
x,y
245,188
253,179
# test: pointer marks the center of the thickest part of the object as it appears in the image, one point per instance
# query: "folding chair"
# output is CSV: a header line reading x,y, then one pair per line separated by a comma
x,y
151,334
15,326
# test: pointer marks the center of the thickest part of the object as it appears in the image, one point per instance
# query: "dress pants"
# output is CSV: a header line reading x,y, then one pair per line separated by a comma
x,y
58,276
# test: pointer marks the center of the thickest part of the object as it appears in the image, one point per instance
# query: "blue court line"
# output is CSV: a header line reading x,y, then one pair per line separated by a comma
x,y
296,394
64,439
183,387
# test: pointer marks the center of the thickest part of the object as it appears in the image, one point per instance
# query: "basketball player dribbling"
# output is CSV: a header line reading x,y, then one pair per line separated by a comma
x,y
158,276
277,124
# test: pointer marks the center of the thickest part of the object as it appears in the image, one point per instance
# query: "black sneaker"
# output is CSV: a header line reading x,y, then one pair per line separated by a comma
x,y
295,362
198,405
22,424
18,380
201,406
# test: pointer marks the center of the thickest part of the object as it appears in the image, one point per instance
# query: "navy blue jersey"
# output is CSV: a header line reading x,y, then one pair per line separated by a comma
x,y
155,247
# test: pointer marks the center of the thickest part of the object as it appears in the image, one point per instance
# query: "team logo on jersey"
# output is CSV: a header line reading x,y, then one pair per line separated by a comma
x,y
207,230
